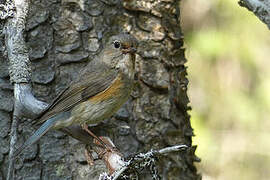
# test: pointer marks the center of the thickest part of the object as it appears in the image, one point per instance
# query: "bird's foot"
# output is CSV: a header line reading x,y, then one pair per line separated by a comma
x,y
111,156
97,140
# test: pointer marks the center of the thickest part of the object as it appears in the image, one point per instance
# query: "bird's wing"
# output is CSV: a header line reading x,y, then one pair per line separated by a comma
x,y
90,82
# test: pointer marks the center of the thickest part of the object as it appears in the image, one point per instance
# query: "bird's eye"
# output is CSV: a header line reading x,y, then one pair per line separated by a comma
x,y
116,44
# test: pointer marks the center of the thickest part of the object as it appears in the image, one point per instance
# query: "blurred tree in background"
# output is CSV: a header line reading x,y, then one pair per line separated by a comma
x,y
228,58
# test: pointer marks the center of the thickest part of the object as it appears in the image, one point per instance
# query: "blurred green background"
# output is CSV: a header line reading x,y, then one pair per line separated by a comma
x,y
228,52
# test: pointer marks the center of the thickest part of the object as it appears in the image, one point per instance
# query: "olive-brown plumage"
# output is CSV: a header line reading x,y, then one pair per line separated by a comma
x,y
98,92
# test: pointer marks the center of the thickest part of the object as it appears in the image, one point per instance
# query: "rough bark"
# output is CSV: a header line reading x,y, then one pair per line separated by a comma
x,y
63,37
261,8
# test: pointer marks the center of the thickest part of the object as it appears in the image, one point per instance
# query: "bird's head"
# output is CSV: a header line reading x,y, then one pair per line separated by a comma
x,y
119,53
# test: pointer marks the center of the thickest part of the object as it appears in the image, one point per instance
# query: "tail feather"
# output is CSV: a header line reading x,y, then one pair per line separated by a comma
x,y
45,127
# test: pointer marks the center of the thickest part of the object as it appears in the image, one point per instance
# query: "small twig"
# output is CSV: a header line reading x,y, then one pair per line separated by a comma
x,y
137,159
13,140
172,149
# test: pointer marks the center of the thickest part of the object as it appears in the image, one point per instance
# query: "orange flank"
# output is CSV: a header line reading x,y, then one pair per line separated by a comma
x,y
110,92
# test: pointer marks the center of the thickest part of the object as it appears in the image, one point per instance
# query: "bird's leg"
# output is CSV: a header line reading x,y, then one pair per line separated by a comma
x,y
89,157
102,143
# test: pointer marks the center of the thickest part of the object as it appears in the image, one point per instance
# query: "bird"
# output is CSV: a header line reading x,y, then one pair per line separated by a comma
x,y
101,88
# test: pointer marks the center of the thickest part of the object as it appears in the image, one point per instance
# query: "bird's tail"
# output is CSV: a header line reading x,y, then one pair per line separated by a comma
x,y
45,127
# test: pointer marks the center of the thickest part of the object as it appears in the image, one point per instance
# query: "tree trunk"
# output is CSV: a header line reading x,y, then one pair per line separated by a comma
x,y
63,37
